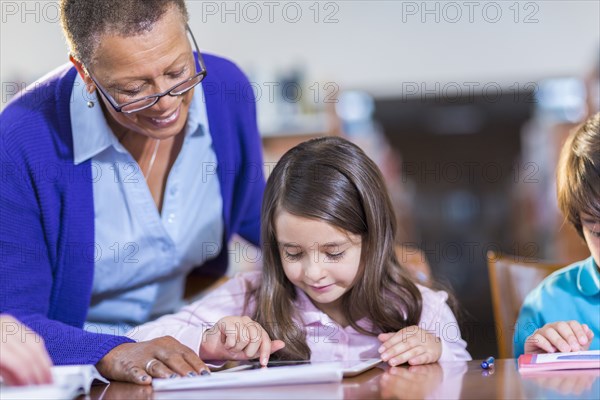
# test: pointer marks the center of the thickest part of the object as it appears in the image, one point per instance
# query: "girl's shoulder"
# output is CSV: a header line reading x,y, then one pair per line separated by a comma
x,y
238,284
430,294
247,280
435,309
432,299
233,293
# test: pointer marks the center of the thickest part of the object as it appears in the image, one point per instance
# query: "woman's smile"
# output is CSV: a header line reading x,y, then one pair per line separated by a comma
x,y
166,121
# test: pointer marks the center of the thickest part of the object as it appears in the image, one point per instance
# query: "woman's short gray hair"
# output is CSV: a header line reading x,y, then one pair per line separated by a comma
x,y
85,21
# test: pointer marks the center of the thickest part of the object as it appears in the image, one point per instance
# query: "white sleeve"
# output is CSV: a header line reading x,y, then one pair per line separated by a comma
x,y
189,324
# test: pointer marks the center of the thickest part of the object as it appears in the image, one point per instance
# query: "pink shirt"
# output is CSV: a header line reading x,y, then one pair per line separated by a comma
x,y
327,340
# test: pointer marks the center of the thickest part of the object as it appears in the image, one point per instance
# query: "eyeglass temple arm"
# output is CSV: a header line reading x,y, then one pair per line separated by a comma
x,y
199,60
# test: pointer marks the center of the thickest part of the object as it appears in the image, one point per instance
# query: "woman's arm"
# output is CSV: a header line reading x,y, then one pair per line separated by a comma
x,y
189,324
46,278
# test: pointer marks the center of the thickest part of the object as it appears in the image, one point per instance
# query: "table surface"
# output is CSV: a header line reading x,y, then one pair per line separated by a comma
x,y
456,380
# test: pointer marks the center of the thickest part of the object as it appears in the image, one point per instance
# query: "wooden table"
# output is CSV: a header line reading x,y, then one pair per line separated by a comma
x,y
458,380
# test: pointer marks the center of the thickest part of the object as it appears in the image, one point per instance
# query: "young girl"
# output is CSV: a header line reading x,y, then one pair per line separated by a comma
x,y
563,312
331,287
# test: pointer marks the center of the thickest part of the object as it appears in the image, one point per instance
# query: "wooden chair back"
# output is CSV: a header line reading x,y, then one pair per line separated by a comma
x,y
511,279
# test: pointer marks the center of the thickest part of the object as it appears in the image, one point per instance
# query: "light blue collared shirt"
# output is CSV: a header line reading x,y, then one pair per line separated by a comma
x,y
571,293
142,256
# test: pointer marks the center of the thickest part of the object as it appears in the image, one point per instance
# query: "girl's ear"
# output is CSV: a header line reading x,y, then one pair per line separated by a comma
x,y
89,84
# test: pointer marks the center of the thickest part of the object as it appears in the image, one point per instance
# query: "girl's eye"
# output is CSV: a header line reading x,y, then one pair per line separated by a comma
x,y
292,256
595,233
335,256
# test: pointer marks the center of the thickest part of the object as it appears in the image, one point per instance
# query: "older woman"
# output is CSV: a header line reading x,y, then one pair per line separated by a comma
x,y
120,175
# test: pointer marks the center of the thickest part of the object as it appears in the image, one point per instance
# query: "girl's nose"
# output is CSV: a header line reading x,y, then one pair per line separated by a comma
x,y
313,271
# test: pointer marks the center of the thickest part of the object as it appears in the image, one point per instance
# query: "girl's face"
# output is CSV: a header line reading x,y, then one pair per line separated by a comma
x,y
319,258
591,232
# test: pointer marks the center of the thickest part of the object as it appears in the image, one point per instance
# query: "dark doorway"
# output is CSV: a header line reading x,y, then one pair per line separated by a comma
x,y
461,156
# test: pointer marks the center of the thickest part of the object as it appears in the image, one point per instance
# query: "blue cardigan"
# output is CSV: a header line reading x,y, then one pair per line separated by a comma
x,y
47,209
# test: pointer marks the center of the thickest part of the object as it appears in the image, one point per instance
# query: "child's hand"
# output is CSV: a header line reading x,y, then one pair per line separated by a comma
x,y
238,338
562,336
411,344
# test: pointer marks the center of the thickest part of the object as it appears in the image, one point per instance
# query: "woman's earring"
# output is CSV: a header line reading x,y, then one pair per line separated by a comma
x,y
90,104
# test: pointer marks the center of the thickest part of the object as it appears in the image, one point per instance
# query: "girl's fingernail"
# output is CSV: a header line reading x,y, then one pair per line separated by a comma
x,y
173,375
381,349
144,378
191,374
265,361
204,372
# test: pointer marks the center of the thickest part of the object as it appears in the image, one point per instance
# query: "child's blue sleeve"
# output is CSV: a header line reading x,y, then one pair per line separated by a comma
x,y
530,318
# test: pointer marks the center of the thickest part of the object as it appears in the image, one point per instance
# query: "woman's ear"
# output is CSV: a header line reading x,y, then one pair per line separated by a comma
x,y
89,84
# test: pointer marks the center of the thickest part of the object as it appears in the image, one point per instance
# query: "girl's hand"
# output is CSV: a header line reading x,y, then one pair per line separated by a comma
x,y
238,338
564,336
411,344
415,382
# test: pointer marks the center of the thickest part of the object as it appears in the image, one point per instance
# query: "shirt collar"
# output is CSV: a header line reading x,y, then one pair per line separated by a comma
x,y
312,315
91,133
90,130
309,312
588,278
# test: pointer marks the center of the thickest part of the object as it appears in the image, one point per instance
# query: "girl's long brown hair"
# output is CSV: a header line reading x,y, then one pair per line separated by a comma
x,y
332,180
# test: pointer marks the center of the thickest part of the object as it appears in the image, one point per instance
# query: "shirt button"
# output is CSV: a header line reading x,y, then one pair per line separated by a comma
x,y
174,191
171,218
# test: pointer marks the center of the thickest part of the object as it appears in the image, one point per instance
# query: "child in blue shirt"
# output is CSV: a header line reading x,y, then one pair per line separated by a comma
x,y
563,312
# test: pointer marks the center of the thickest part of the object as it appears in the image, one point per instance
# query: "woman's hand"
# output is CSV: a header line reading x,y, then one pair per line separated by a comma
x,y
564,336
23,356
411,344
238,338
162,357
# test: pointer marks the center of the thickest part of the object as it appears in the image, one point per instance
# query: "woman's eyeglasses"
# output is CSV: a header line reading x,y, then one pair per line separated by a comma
x,y
148,101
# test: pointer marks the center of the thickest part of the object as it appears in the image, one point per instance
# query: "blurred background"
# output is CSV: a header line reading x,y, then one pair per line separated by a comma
x,y
463,105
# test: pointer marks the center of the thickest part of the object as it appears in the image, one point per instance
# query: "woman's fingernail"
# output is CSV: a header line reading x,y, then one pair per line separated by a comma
x,y
583,340
381,349
173,376
204,372
192,374
144,378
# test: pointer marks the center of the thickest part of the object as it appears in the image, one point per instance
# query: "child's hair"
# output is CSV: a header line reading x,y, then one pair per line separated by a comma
x,y
332,180
578,173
